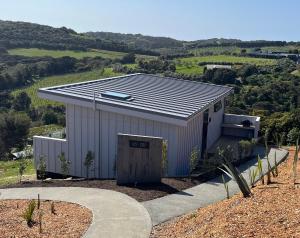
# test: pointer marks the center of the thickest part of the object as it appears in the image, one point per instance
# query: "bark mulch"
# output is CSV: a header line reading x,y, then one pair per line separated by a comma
x,y
140,192
68,219
272,211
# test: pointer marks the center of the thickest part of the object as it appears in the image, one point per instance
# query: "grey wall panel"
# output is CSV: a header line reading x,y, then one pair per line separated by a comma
x,y
215,125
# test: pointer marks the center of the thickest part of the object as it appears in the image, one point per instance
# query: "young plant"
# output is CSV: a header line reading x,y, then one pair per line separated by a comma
x,y
260,170
194,159
226,187
276,165
22,168
64,164
40,222
28,213
252,176
42,167
233,173
295,161
52,208
39,202
164,158
89,159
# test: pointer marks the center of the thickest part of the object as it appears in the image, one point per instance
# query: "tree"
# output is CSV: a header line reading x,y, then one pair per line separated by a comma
x,y
64,164
128,58
49,117
22,102
293,135
88,162
14,129
22,168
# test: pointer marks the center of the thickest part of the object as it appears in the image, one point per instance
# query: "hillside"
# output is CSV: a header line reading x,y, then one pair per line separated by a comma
x,y
137,40
31,35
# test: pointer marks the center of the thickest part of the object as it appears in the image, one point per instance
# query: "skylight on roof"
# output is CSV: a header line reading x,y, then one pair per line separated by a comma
x,y
115,95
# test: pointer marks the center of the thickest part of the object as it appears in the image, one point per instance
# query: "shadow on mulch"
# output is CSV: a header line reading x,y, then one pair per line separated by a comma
x,y
139,192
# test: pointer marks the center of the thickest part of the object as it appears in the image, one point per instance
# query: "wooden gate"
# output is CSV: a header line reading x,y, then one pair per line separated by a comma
x,y
139,159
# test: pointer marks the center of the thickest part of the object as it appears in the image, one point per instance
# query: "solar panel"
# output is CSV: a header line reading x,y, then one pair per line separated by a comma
x,y
115,95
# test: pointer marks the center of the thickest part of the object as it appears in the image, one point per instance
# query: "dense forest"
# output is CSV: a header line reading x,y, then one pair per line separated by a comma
x,y
270,89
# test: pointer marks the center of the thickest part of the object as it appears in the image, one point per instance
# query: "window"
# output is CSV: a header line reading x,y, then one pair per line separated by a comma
x,y
218,106
115,95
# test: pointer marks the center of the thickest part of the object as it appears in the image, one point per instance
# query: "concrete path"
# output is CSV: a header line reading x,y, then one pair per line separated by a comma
x,y
114,214
165,208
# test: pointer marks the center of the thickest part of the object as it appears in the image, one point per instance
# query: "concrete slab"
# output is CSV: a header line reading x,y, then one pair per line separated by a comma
x,y
168,207
114,214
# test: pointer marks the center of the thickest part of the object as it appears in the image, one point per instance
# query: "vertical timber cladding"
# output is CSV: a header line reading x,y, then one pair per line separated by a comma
x,y
139,159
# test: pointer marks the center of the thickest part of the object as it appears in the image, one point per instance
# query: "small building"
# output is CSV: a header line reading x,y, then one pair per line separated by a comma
x,y
218,66
187,114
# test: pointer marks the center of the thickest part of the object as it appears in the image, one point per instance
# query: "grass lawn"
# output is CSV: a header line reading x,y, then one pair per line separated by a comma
x,y
9,171
34,52
43,130
190,65
62,79
216,50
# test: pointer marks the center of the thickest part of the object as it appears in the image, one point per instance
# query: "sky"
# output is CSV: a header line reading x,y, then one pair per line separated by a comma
x,y
180,19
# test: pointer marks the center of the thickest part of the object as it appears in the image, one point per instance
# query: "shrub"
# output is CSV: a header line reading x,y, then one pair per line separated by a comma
x,y
42,167
165,157
293,135
28,213
22,168
88,162
64,164
245,148
194,159
233,173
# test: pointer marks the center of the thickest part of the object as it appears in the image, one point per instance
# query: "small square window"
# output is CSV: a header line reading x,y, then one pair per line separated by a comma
x,y
218,106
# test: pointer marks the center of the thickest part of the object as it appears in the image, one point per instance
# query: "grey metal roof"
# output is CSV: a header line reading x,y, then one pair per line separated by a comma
x,y
149,93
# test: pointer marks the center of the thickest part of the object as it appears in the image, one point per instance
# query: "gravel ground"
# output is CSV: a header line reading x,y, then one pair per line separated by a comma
x,y
69,220
272,211
140,192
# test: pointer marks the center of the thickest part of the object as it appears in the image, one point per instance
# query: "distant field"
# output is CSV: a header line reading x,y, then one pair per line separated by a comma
x,y
215,50
281,48
190,65
34,52
62,79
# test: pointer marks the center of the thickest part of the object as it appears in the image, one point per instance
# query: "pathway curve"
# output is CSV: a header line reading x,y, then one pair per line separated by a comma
x,y
168,207
114,214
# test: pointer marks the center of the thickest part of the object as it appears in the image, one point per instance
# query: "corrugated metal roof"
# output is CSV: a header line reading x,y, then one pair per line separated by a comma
x,y
150,93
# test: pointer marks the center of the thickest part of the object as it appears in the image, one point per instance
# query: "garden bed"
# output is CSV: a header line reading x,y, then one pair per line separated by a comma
x,y
140,192
61,219
272,211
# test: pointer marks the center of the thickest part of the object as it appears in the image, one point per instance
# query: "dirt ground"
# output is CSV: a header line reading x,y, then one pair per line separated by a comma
x,y
140,192
272,211
68,220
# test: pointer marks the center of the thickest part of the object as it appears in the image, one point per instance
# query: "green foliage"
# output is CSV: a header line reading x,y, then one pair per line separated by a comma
x,y
88,161
194,157
233,173
64,164
14,129
42,167
22,168
49,117
252,176
22,102
293,135
226,187
260,170
35,52
245,148
164,157
28,213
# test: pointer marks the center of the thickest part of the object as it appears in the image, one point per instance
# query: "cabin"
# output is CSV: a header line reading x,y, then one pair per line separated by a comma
x,y
186,114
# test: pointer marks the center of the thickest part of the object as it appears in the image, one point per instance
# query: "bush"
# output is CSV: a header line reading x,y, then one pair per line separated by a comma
x,y
49,117
28,213
293,135
245,148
